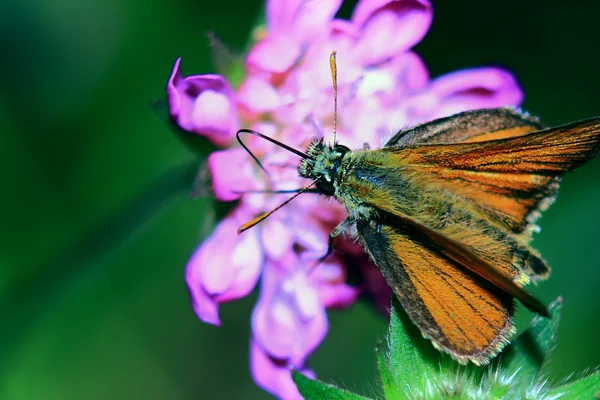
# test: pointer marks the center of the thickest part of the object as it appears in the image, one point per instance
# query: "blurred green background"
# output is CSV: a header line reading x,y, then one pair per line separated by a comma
x,y
89,311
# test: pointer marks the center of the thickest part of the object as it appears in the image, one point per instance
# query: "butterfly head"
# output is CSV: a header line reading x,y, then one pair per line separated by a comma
x,y
322,164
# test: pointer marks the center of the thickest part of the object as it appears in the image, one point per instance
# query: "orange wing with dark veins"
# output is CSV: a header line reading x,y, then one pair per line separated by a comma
x,y
460,312
453,204
469,126
469,195
510,178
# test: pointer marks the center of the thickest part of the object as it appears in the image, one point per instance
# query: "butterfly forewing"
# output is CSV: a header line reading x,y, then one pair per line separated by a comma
x,y
469,126
400,190
551,151
511,179
511,201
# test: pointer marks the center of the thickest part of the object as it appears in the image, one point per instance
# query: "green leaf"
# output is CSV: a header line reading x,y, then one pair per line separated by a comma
x,y
313,389
584,388
529,353
412,359
388,381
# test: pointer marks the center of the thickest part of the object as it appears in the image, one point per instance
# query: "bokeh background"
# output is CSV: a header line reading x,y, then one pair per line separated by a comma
x,y
97,227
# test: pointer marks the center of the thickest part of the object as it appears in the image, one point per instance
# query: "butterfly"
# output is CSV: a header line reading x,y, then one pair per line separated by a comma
x,y
447,209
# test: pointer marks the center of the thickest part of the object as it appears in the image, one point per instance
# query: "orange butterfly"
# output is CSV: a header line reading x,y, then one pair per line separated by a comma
x,y
446,210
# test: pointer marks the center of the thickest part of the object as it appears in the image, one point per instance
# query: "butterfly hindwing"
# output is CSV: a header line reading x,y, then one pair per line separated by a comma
x,y
460,312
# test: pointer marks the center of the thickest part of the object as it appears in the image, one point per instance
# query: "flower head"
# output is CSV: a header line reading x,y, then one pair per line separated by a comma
x,y
287,94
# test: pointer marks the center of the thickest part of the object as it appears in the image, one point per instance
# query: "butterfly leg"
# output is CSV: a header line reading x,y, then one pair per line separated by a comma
x,y
337,231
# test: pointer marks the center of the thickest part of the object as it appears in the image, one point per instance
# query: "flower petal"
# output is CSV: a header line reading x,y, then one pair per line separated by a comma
x,y
330,279
258,95
311,236
232,173
205,307
289,321
397,77
203,104
275,53
212,112
414,72
247,259
276,237
466,90
339,296
225,267
390,27
291,25
340,36
281,13
312,18
274,375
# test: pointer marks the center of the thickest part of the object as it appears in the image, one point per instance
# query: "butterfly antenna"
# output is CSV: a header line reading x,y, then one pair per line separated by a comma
x,y
264,216
265,137
333,66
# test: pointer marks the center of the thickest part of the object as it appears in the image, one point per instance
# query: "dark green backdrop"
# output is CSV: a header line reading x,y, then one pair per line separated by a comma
x,y
90,311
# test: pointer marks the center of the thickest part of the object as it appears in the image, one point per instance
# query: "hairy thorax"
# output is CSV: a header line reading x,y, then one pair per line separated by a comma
x,y
368,183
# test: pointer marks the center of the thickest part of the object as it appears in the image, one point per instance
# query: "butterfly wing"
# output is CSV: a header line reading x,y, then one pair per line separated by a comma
x,y
510,179
460,312
415,184
400,189
550,151
512,201
469,126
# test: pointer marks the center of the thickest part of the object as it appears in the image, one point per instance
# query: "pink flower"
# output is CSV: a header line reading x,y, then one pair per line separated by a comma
x,y
273,375
203,104
223,268
287,95
289,320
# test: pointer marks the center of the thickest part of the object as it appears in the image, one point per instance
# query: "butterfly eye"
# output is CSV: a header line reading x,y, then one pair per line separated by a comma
x,y
341,149
325,187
